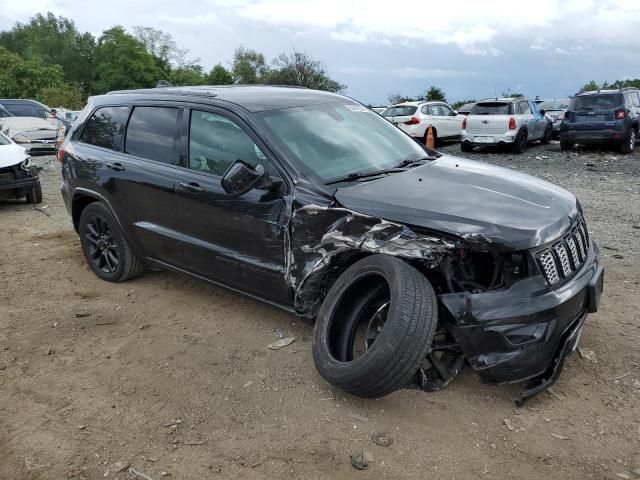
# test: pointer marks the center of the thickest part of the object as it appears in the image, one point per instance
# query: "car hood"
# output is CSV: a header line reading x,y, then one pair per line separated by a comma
x,y
31,127
476,201
11,155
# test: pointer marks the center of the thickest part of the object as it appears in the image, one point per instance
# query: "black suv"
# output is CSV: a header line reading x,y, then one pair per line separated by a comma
x,y
602,117
410,262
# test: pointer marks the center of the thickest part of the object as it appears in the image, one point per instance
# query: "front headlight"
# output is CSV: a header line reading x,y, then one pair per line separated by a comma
x,y
20,138
26,163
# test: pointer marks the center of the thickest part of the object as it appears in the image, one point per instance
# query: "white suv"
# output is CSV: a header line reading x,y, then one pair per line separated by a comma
x,y
415,117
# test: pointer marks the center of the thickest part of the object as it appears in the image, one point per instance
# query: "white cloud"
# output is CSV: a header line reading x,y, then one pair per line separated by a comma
x,y
409,72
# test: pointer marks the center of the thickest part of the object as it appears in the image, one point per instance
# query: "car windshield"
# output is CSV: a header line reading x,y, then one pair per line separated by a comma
x,y
554,105
338,139
400,111
492,108
597,102
466,107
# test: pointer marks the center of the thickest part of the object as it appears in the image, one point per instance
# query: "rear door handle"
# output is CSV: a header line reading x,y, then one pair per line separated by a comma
x,y
115,166
192,187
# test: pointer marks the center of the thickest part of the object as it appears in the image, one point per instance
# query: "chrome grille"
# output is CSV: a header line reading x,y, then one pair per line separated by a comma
x,y
564,258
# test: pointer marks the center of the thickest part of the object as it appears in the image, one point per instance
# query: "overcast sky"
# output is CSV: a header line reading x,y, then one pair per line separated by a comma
x,y
472,49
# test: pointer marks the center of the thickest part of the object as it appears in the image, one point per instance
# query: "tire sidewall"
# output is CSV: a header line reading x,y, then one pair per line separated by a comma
x,y
98,209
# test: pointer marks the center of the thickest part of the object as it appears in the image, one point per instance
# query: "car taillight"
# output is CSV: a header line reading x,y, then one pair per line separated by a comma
x,y
412,121
621,114
512,123
60,154
464,123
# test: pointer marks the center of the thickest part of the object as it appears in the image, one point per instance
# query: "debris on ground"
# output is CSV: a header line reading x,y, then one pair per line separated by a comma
x,y
509,424
121,466
139,474
361,459
559,437
382,438
283,342
359,418
589,355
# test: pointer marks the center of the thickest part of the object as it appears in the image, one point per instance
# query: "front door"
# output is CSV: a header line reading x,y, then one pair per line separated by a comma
x,y
238,241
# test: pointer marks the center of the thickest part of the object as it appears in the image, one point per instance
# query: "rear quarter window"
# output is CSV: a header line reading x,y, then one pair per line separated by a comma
x,y
399,111
151,134
105,128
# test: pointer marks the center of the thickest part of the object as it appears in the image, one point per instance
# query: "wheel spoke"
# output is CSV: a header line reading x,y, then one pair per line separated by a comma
x,y
92,229
107,261
113,259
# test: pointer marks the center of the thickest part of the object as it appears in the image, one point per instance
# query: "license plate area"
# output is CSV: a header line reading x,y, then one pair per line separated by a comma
x,y
483,139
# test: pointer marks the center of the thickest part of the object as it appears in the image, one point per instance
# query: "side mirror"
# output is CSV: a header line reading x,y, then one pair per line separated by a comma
x,y
543,112
455,112
241,177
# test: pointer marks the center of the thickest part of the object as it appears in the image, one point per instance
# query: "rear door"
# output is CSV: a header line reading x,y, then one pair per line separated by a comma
x,y
451,120
238,241
526,117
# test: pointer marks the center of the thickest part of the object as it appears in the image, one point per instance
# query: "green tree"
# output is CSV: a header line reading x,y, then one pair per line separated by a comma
x,y
54,41
63,95
219,76
122,62
460,103
434,93
22,78
301,70
188,75
248,66
510,94
395,98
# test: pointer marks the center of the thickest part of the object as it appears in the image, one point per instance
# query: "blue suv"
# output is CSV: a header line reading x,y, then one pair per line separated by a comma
x,y
602,117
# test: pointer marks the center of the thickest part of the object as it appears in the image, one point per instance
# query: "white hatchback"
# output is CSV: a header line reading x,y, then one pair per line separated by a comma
x,y
415,118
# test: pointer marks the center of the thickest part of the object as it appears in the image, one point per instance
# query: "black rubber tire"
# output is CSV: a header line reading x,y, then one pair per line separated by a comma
x,y
130,266
548,134
466,147
35,194
565,145
393,359
520,142
629,143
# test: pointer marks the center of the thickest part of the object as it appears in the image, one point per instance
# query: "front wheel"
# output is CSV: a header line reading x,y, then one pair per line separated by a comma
x,y
104,246
520,142
548,134
466,147
629,143
375,327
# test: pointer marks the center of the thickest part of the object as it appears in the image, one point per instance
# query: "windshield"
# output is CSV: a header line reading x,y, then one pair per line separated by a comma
x,y
400,111
597,102
492,108
337,139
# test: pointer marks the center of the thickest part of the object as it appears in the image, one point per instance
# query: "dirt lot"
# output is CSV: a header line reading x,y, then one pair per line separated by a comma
x,y
173,377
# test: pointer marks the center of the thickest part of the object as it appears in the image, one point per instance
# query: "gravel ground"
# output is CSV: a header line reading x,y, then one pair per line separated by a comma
x,y
173,378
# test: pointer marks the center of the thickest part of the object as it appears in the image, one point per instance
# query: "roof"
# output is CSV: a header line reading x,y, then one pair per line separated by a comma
x,y
504,99
254,98
608,91
416,103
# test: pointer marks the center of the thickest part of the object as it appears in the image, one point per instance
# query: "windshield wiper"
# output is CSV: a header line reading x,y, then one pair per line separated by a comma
x,y
352,177
407,162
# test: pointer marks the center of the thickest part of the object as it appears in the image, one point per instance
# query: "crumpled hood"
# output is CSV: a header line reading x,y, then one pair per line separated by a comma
x,y
468,199
11,155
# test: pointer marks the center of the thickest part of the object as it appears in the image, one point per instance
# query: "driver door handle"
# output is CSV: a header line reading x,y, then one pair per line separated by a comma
x,y
115,166
192,187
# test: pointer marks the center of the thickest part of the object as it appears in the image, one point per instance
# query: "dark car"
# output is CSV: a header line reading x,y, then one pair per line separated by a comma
x,y
408,261
603,117
22,107
554,110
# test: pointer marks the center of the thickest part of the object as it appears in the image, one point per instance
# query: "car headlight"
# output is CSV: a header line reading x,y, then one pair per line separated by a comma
x,y
27,162
20,138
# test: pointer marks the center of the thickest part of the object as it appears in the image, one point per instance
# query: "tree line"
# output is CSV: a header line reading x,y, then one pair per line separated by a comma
x,y
50,60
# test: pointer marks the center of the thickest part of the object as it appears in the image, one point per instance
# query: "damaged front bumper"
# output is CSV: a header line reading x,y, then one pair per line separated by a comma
x,y
525,332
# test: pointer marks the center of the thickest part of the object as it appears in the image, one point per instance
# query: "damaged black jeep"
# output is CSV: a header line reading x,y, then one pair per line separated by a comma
x,y
411,263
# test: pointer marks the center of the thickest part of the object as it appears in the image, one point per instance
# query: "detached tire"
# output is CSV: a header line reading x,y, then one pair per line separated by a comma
x,y
375,326
105,248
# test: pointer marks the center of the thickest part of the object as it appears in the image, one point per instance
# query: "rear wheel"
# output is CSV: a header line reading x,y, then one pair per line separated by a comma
x,y
466,147
520,142
629,143
105,248
375,327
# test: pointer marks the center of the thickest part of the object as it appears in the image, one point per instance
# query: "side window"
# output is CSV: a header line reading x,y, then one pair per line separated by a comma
x,y
425,110
435,110
525,107
215,142
151,134
446,111
636,99
517,109
105,127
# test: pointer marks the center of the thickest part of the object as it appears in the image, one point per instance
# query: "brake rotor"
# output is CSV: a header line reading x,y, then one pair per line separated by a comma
x,y
442,364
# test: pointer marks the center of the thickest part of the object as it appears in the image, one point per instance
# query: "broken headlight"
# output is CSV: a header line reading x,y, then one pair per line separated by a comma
x,y
20,138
